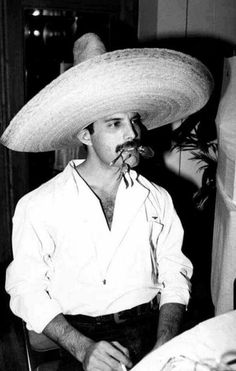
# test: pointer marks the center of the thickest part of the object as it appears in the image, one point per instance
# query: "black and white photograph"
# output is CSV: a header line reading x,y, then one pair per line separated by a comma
x,y
118,185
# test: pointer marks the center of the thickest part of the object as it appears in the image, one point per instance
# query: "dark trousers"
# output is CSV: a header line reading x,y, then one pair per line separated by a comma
x,y
138,334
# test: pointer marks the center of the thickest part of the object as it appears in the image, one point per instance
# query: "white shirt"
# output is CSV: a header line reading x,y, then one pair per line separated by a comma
x,y
67,260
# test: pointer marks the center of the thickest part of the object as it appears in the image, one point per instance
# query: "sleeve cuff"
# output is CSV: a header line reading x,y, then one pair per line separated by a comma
x,y
180,296
38,314
40,323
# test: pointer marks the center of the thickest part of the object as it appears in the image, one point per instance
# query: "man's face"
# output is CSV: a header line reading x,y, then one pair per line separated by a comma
x,y
111,133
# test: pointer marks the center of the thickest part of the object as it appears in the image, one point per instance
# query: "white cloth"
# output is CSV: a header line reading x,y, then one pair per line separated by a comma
x,y
224,238
223,271
209,343
63,250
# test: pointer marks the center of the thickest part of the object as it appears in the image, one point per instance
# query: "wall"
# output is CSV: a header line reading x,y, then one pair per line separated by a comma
x,y
160,18
215,18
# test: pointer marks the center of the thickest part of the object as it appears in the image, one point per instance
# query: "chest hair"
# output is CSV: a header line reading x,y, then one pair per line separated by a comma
x,y
108,204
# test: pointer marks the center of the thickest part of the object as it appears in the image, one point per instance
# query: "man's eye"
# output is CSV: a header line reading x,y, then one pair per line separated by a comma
x,y
114,124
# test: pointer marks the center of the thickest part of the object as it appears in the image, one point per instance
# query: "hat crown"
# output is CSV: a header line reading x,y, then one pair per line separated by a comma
x,y
87,46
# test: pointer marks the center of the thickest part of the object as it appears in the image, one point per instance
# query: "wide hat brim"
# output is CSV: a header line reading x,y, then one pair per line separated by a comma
x,y
163,86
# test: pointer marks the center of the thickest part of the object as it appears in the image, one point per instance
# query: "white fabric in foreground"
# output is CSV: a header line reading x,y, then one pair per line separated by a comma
x,y
210,341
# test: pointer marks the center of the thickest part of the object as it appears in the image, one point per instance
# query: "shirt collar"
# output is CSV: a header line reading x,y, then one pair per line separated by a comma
x,y
130,177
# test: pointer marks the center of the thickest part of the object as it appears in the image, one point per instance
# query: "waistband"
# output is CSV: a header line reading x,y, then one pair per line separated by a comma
x,y
119,317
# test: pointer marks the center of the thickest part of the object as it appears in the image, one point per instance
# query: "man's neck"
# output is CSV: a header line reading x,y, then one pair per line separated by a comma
x,y
102,179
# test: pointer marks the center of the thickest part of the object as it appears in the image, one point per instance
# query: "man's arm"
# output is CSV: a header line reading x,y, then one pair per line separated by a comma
x,y
170,320
67,337
174,273
100,356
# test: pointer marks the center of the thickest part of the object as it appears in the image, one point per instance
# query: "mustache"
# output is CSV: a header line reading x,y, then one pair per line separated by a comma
x,y
144,151
129,145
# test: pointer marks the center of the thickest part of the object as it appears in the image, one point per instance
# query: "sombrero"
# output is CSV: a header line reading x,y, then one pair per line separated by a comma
x,y
162,85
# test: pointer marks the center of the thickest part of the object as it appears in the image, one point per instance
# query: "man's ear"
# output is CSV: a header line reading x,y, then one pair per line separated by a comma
x,y
85,137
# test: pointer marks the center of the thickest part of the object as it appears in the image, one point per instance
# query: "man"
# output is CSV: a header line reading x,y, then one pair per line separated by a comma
x,y
97,249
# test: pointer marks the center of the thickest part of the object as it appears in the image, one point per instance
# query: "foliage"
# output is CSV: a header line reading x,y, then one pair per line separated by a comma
x,y
205,152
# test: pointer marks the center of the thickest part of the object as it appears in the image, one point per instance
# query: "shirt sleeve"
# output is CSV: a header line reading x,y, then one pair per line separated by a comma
x,y
27,276
174,268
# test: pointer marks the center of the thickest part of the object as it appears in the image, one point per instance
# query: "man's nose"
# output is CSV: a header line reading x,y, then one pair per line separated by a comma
x,y
130,131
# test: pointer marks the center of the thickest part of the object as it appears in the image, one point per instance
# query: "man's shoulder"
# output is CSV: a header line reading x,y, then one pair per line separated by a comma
x,y
46,192
158,198
152,187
